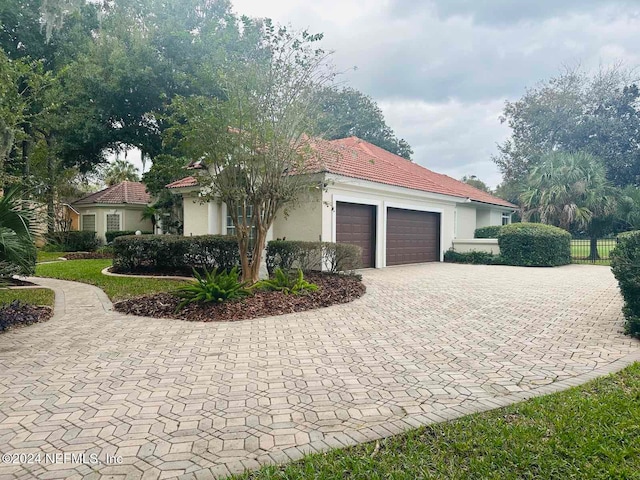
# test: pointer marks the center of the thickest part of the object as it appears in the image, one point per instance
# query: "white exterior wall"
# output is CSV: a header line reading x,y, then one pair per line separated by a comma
x,y
483,218
384,197
304,222
466,218
489,245
496,217
196,216
129,218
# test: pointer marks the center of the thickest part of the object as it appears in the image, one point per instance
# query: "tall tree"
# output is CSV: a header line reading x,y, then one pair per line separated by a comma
x,y
254,141
347,112
576,112
476,183
119,171
570,191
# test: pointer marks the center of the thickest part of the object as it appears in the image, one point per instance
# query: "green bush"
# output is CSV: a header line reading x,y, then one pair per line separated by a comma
x,y
73,241
476,258
111,236
212,287
487,232
534,245
625,264
172,253
291,254
287,283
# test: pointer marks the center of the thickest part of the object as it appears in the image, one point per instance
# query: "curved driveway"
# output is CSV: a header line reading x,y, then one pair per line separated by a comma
x,y
172,398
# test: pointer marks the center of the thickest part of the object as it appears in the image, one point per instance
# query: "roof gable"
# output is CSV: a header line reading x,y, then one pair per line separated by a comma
x,y
133,193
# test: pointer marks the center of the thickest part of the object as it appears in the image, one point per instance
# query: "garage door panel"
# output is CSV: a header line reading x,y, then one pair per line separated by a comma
x,y
355,224
412,236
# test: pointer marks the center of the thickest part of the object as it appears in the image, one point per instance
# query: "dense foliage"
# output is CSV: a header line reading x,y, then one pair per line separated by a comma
x,y
475,258
336,257
212,287
287,282
170,253
17,248
487,232
625,263
111,236
534,245
73,241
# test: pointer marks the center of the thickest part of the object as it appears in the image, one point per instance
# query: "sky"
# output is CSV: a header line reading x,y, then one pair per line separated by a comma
x,y
441,70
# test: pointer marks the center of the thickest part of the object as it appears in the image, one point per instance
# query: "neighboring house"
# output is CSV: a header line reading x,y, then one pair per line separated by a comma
x,y
397,211
115,208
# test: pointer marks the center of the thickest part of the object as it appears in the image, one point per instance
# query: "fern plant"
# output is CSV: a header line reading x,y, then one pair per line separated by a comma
x,y
287,284
212,287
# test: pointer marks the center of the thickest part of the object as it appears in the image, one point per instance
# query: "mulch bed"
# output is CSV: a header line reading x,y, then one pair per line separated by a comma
x,y
18,314
87,255
16,282
333,289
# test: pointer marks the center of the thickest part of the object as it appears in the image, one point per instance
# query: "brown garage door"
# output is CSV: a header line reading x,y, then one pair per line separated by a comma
x,y
412,236
356,224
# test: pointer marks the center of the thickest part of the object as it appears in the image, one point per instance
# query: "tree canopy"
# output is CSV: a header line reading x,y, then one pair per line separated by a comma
x,y
576,112
347,112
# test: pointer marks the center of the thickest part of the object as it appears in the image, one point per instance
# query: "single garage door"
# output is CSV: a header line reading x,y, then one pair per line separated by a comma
x,y
412,236
356,224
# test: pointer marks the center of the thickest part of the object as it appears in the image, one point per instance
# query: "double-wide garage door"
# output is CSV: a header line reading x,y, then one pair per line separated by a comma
x,y
412,236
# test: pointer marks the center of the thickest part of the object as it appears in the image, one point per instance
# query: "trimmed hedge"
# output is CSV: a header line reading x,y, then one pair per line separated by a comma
x,y
291,254
534,245
487,232
111,236
625,264
74,241
172,253
476,258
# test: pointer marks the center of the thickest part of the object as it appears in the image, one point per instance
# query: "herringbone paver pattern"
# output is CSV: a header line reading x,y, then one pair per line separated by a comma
x,y
426,343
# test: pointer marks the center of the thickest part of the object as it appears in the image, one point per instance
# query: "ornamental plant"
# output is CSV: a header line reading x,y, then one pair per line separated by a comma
x,y
212,287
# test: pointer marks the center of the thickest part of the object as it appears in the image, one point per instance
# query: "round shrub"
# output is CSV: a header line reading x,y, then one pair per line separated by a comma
x,y
487,232
534,245
625,264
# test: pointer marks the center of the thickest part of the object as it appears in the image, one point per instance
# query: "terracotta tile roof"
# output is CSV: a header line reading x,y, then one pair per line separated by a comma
x,y
353,157
356,158
134,193
184,182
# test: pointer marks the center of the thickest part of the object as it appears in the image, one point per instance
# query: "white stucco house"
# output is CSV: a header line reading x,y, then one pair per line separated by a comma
x,y
114,208
398,211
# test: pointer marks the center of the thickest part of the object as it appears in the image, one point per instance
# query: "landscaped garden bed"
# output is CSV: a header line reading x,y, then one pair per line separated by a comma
x,y
332,289
22,307
88,255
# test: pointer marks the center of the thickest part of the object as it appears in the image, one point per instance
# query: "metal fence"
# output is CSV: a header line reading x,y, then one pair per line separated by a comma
x,y
592,251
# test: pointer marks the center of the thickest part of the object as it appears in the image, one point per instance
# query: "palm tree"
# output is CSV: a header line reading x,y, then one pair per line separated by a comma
x,y
570,190
629,207
120,171
150,212
17,247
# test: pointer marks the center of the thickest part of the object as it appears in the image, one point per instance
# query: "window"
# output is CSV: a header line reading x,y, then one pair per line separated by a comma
x,y
506,218
113,222
89,223
231,229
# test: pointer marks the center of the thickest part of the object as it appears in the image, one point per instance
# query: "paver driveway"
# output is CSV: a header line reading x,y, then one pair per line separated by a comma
x,y
426,343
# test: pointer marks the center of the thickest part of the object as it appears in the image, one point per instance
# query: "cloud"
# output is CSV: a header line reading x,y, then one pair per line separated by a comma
x,y
505,12
452,137
442,69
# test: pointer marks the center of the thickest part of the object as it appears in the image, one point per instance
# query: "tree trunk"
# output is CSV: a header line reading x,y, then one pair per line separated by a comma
x,y
593,249
256,257
51,191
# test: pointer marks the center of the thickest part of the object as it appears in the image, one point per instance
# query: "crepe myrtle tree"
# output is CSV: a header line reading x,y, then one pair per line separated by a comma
x,y
253,143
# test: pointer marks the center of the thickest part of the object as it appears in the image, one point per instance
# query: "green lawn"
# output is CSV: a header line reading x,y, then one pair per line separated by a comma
x,y
49,256
116,288
591,432
34,296
580,250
